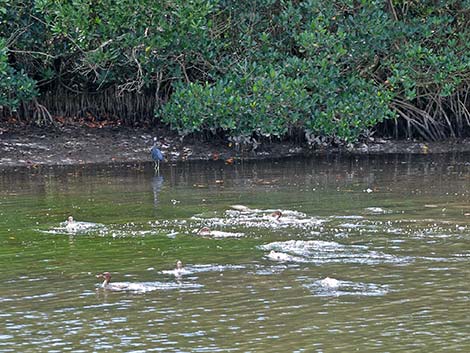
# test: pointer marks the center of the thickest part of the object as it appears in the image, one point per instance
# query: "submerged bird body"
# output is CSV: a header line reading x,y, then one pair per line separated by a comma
x,y
179,265
279,256
179,270
78,227
121,286
276,215
71,225
106,283
204,231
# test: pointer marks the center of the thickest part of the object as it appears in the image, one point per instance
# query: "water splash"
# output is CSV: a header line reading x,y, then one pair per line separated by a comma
x,y
144,287
332,287
320,252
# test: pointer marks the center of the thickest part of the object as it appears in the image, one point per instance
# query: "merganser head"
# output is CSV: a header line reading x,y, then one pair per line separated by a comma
x,y
204,231
276,215
106,276
179,265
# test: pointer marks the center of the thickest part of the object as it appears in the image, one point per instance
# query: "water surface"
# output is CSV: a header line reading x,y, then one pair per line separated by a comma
x,y
371,254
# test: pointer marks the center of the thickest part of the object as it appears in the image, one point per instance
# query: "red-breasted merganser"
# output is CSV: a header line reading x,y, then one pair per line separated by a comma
x,y
279,256
179,265
276,215
113,286
205,231
178,271
71,225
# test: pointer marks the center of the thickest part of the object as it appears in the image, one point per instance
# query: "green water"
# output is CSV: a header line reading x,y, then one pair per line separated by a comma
x,y
393,231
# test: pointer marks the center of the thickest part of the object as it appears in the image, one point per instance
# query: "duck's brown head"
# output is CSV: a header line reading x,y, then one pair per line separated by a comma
x,y
105,275
276,215
204,231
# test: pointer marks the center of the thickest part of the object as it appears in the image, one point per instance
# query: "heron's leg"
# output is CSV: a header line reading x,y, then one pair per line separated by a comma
x,y
157,167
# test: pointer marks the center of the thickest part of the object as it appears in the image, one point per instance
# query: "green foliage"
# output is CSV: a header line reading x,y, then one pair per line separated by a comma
x,y
246,68
133,44
317,89
260,101
15,87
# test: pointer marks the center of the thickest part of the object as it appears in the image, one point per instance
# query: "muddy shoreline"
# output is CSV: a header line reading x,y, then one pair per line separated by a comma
x,y
72,145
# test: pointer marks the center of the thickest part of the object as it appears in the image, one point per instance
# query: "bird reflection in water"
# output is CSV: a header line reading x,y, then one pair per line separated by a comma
x,y
157,182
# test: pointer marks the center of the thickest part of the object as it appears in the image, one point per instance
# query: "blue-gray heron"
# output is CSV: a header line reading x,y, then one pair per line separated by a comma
x,y
157,155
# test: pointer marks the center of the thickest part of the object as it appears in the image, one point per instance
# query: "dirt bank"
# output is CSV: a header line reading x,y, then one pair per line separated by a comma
x,y
68,145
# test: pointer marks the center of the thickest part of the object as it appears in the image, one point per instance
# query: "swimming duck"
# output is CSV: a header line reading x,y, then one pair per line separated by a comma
x,y
178,271
118,286
276,215
179,265
279,256
71,226
204,231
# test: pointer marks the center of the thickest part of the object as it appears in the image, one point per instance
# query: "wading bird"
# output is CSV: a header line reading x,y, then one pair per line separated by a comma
x,y
157,155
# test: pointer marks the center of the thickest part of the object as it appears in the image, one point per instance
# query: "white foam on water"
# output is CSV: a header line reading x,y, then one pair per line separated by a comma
x,y
376,210
257,218
144,287
195,269
177,272
329,282
332,287
318,251
77,227
283,257
347,217
272,269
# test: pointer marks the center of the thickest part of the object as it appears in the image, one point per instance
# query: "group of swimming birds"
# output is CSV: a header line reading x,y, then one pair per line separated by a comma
x,y
73,226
